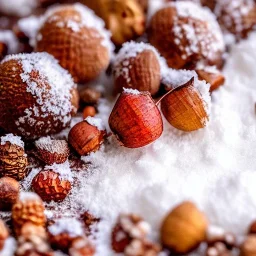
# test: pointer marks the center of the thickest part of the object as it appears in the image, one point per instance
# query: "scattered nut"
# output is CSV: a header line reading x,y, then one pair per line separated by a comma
x,y
248,248
89,96
184,228
3,234
89,111
9,193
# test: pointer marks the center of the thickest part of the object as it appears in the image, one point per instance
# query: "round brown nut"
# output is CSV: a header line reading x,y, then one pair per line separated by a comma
x,y
89,96
184,228
89,111
9,193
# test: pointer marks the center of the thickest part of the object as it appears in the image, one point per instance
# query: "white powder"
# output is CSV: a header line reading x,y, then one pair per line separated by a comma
x,y
131,91
52,146
8,37
97,122
16,140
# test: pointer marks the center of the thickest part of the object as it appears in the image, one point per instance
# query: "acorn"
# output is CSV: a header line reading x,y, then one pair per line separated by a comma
x,y
9,193
4,234
187,34
75,36
137,66
52,151
184,228
185,108
50,184
13,160
87,136
37,101
135,119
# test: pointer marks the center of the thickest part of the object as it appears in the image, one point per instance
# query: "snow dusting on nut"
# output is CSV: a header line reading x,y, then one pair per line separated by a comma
x,y
28,196
97,122
131,91
16,140
67,225
52,146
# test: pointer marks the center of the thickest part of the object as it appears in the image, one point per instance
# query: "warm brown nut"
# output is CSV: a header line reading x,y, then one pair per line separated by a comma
x,y
137,66
87,136
63,232
3,234
214,78
248,248
252,228
89,96
52,151
124,18
139,247
81,246
9,193
185,108
33,241
89,111
37,100
184,228
29,208
13,160
3,50
187,34
127,228
50,185
77,38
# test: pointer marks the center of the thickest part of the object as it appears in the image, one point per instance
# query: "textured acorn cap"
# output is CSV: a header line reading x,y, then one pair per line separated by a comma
x,y
77,38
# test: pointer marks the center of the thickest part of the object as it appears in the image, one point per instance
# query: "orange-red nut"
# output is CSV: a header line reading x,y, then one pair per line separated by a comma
x,y
85,137
77,38
135,119
137,66
89,111
3,234
185,109
186,34
49,185
9,193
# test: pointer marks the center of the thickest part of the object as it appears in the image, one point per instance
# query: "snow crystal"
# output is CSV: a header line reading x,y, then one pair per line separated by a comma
x,y
97,122
13,139
67,225
131,91
8,37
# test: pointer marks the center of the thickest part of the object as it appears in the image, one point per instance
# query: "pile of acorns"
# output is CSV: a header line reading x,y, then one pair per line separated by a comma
x,y
176,69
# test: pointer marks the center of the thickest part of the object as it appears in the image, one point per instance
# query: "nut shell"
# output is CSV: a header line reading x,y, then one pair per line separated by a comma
x,y
184,228
9,193
13,161
89,96
49,186
136,120
185,109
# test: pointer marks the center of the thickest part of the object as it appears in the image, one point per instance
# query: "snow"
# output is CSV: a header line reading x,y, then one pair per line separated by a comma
x,y
52,146
131,91
97,122
16,140
9,38
28,196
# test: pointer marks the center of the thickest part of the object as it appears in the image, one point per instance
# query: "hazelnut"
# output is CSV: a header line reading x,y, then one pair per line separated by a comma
x,y
3,234
77,38
52,151
187,34
184,228
40,92
135,119
248,248
124,18
137,66
87,136
13,160
9,193
89,111
81,246
89,96
29,208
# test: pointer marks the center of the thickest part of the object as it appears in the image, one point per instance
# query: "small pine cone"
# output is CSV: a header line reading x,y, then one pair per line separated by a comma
x,y
52,151
29,208
81,246
13,160
142,248
128,228
49,185
33,241
3,234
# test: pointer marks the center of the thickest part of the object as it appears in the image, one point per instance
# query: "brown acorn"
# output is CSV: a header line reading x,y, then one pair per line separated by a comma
x,y
77,38
49,185
29,208
135,119
184,228
52,151
184,108
187,34
9,193
4,233
13,160
85,137
137,67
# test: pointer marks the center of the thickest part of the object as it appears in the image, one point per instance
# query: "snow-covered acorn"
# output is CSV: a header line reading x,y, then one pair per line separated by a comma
x,y
187,34
87,136
37,100
135,119
75,36
137,66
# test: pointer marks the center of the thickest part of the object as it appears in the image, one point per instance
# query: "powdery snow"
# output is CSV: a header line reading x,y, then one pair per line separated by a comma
x,y
13,139
97,122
